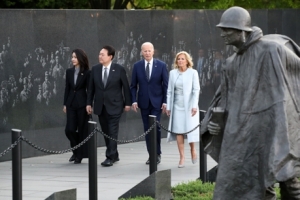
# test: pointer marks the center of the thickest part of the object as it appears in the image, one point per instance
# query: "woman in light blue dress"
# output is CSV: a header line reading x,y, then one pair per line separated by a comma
x,y
182,105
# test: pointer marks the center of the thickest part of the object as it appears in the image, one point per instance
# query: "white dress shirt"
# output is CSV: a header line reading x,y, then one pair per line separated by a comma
x,y
107,70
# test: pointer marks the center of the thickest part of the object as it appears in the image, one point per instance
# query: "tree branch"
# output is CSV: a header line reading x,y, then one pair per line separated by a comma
x,y
125,3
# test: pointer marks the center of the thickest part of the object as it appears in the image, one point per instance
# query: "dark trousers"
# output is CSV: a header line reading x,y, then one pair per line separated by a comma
x,y
110,126
76,129
145,116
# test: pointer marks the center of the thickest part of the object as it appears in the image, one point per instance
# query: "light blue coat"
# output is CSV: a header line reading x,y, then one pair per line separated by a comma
x,y
191,91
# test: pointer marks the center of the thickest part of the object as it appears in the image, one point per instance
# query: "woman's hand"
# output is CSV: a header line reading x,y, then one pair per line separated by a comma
x,y
168,112
194,111
89,109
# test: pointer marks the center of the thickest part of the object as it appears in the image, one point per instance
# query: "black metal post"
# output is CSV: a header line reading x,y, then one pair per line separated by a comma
x,y
16,165
203,156
153,145
93,175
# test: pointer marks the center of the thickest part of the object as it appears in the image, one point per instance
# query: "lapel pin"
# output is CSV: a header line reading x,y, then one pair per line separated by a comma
x,y
113,70
81,73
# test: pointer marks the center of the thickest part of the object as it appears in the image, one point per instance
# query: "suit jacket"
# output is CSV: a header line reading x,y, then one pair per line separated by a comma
x,y
154,90
115,95
76,92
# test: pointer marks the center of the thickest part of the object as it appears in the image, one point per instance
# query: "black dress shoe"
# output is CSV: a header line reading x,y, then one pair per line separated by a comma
x,y
148,161
77,160
72,158
158,160
107,163
116,160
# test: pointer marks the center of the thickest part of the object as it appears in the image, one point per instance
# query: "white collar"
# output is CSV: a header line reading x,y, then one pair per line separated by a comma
x,y
108,66
150,62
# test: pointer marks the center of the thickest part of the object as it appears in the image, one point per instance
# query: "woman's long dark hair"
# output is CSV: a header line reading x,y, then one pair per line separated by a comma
x,y
82,59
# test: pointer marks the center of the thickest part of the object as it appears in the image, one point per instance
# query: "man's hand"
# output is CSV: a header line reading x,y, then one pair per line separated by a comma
x,y
127,108
134,107
89,109
213,128
164,108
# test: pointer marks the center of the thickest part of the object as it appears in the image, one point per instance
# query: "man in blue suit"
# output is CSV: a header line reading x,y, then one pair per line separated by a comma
x,y
149,83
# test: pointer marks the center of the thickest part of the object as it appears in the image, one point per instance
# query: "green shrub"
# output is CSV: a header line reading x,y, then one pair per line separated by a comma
x,y
194,190
277,190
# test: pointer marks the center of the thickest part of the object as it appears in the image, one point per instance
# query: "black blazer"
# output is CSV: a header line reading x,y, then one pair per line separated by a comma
x,y
115,95
76,92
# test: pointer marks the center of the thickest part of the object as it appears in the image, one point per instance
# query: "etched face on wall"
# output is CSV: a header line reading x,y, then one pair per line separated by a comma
x,y
201,53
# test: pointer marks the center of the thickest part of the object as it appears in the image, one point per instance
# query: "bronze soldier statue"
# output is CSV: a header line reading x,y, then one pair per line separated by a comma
x,y
252,126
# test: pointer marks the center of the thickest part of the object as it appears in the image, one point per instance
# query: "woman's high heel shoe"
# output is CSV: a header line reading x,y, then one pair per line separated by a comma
x,y
194,158
181,165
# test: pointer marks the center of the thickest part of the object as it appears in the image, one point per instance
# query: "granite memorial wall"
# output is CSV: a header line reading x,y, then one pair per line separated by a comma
x,y
36,46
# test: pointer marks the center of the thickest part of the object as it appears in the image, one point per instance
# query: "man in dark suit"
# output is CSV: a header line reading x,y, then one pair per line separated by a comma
x,y
149,84
109,89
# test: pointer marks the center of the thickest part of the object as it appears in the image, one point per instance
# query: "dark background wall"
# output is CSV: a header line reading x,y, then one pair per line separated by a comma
x,y
35,51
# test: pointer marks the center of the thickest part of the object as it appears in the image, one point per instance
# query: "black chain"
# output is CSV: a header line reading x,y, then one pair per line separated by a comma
x,y
75,147
11,146
63,151
128,141
88,137
164,128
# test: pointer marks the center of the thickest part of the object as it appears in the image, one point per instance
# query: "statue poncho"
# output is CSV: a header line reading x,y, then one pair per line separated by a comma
x,y
260,142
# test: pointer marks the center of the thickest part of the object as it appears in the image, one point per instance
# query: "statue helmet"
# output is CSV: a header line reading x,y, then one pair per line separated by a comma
x,y
236,18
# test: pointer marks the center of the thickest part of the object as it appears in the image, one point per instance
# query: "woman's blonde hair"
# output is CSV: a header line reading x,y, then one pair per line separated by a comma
x,y
189,59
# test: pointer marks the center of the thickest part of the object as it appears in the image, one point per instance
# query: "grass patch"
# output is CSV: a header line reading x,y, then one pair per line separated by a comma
x,y
193,190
